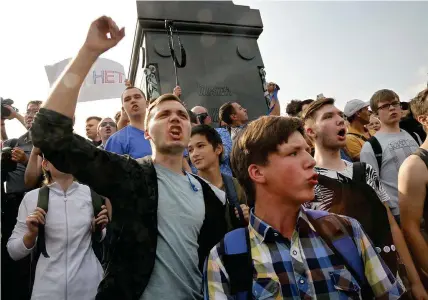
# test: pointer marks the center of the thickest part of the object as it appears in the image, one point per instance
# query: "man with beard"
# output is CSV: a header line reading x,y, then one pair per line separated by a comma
x,y
131,140
390,146
15,275
106,129
166,220
353,189
358,115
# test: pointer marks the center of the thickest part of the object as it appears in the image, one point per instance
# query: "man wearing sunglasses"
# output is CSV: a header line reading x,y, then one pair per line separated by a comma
x,y
390,146
106,129
204,118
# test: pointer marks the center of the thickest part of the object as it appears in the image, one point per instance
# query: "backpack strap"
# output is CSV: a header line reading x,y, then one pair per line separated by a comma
x,y
423,154
238,263
232,196
339,239
377,149
43,203
97,202
358,135
359,172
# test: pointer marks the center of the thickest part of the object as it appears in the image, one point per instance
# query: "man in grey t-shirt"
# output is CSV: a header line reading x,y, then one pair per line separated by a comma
x,y
396,144
180,217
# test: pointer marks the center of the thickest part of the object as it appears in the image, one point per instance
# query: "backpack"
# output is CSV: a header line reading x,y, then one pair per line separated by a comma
x,y
232,198
43,203
336,231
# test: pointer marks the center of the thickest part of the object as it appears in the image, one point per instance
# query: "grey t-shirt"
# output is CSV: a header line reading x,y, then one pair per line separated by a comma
x,y
15,180
181,213
396,147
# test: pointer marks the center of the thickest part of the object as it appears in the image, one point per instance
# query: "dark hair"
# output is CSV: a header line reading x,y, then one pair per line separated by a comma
x,y
254,144
293,108
129,88
304,102
380,96
35,102
192,116
159,100
212,136
93,118
309,114
117,116
419,105
225,111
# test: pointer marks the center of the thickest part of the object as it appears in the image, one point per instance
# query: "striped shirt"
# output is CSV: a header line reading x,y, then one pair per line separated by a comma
x,y
301,268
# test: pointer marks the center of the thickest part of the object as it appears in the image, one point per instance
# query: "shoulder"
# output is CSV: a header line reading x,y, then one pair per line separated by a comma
x,y
30,199
413,166
121,134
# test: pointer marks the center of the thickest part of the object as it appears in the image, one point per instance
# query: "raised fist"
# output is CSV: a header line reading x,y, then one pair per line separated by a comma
x,y
103,34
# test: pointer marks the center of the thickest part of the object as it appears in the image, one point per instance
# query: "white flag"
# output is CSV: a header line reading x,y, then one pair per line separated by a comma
x,y
105,80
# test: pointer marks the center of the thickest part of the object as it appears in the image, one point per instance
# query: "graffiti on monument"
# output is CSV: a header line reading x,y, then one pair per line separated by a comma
x,y
218,91
152,81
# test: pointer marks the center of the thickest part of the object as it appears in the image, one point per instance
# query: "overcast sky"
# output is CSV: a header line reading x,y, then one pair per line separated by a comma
x,y
342,49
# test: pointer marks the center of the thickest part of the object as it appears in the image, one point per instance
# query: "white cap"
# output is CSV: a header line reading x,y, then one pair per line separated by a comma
x,y
353,106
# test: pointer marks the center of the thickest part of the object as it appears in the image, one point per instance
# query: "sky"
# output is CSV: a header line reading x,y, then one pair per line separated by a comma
x,y
344,50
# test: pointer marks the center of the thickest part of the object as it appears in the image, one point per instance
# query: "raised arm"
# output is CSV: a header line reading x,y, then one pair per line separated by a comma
x,y
52,130
33,172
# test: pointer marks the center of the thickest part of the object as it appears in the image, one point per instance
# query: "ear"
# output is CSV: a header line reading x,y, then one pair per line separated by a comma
x,y
256,174
147,135
310,132
45,165
234,117
219,150
423,120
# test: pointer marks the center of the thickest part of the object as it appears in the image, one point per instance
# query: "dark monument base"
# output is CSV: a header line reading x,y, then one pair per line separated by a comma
x,y
223,59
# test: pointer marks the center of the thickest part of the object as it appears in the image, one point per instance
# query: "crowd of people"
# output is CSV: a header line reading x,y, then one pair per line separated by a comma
x,y
160,203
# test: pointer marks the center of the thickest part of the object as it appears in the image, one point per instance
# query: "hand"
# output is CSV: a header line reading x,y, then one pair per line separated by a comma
x,y
19,156
13,114
123,115
34,219
418,292
127,83
246,212
97,40
177,91
36,151
102,219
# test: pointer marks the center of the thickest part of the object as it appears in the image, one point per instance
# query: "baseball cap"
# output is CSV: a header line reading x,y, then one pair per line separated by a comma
x,y
353,106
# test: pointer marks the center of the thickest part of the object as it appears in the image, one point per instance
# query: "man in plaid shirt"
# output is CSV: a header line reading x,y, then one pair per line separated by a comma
x,y
289,258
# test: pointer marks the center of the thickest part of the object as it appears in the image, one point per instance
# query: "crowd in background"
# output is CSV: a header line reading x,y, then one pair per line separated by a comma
x,y
137,208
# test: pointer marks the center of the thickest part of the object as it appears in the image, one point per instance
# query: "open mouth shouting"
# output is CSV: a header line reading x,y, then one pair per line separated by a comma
x,y
341,134
175,133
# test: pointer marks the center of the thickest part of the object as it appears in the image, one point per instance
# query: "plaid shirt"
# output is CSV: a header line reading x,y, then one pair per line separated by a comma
x,y
303,268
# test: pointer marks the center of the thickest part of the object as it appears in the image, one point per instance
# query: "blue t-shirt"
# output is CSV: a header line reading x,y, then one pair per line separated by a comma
x,y
129,140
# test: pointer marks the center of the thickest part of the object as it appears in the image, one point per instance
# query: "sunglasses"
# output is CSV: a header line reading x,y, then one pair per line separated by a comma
x,y
104,124
202,117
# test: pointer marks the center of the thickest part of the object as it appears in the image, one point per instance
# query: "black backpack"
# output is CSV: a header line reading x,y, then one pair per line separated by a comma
x,y
232,199
43,203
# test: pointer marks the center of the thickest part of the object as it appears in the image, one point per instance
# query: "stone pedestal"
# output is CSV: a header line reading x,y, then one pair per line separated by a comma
x,y
223,58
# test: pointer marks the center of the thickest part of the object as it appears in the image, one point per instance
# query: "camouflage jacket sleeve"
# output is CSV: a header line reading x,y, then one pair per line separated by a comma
x,y
109,174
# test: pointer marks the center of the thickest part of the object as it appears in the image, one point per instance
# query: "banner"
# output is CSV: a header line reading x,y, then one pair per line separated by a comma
x,y
105,80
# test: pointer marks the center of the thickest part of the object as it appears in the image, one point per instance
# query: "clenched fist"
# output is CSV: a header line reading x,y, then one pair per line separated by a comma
x,y
103,34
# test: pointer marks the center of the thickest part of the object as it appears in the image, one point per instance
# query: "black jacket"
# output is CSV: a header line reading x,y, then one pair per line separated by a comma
x,y
131,186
